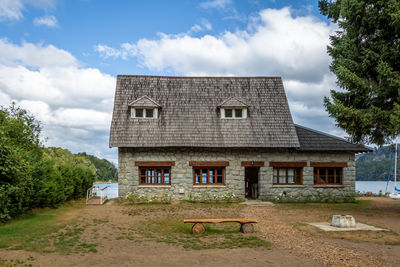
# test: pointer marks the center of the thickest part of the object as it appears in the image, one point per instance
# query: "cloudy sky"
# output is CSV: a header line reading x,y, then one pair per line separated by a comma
x,y
59,58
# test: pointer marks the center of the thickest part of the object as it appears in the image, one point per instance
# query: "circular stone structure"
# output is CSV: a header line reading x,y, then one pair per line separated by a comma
x,y
343,221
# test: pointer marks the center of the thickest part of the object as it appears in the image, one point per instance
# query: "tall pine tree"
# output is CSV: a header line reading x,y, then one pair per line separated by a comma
x,y
365,55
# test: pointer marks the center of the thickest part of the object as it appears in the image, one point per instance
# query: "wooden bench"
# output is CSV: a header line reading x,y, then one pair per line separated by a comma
x,y
246,225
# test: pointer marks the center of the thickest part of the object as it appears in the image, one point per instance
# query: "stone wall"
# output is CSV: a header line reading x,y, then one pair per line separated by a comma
x,y
182,174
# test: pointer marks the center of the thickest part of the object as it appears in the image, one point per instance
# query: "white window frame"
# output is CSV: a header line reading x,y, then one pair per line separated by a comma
x,y
244,113
155,113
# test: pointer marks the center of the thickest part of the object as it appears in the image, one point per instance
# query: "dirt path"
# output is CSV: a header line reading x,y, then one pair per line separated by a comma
x,y
301,243
110,227
154,254
106,224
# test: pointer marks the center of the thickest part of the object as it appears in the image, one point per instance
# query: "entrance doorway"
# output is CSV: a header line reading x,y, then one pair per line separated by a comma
x,y
251,182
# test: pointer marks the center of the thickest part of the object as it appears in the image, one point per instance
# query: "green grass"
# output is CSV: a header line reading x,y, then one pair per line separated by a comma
x,y
223,236
45,231
358,205
165,225
27,227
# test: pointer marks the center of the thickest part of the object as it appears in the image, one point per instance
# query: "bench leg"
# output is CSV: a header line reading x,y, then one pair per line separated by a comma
x,y
198,228
246,228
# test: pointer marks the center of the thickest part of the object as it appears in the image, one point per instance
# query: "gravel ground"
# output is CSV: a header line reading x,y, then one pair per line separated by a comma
x,y
286,236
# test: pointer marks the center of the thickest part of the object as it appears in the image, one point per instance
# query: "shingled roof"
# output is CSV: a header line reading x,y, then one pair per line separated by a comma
x,y
313,140
189,115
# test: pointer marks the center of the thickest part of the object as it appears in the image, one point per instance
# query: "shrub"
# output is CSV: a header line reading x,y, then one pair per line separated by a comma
x,y
136,198
327,197
29,176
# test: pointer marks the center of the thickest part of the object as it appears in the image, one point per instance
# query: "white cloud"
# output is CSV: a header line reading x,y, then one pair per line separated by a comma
x,y
195,28
275,43
73,103
215,4
205,26
81,120
49,21
126,50
34,55
12,9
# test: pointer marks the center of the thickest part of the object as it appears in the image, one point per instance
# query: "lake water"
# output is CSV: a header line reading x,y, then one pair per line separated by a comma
x,y
362,186
374,186
112,190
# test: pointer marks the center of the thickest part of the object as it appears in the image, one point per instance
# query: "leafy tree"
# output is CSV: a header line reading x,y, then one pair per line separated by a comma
x,y
19,148
34,176
365,55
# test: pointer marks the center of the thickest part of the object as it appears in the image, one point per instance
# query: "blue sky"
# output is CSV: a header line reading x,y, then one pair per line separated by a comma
x,y
60,58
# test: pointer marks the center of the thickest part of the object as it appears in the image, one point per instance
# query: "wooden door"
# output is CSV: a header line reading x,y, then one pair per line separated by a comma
x,y
251,182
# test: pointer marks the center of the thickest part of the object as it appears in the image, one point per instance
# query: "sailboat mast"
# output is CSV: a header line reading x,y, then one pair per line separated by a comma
x,y
395,166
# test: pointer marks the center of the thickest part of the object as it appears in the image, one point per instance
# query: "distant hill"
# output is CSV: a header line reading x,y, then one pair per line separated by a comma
x,y
374,166
105,170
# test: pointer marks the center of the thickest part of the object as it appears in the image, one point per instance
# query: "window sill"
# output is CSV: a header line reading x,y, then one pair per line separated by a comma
x,y
146,118
233,118
156,185
329,185
288,185
209,186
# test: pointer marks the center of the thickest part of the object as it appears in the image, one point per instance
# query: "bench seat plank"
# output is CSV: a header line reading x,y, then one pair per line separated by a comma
x,y
219,220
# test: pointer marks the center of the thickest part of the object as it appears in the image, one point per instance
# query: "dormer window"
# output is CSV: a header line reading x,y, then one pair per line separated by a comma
x,y
233,113
143,113
138,112
233,108
238,113
144,107
149,113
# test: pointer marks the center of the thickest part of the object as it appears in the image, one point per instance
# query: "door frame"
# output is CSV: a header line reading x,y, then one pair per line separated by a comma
x,y
249,181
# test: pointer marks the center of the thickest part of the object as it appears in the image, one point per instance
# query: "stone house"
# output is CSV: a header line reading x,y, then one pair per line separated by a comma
x,y
192,136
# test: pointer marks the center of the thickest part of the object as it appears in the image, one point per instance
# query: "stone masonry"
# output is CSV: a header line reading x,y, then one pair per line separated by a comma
x,y
182,174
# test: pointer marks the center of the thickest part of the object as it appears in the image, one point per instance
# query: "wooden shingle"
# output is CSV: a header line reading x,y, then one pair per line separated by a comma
x,y
190,116
312,140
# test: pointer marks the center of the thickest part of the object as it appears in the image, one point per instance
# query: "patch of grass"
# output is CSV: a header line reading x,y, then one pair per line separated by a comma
x,y
358,205
30,226
164,223
65,241
223,236
100,221
386,238
45,230
381,237
4,263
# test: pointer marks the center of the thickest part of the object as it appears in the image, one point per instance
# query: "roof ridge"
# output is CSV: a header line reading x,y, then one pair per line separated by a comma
x,y
191,77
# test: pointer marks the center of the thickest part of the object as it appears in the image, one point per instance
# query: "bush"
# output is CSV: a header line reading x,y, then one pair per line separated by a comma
x,y
318,197
136,198
31,177
206,197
